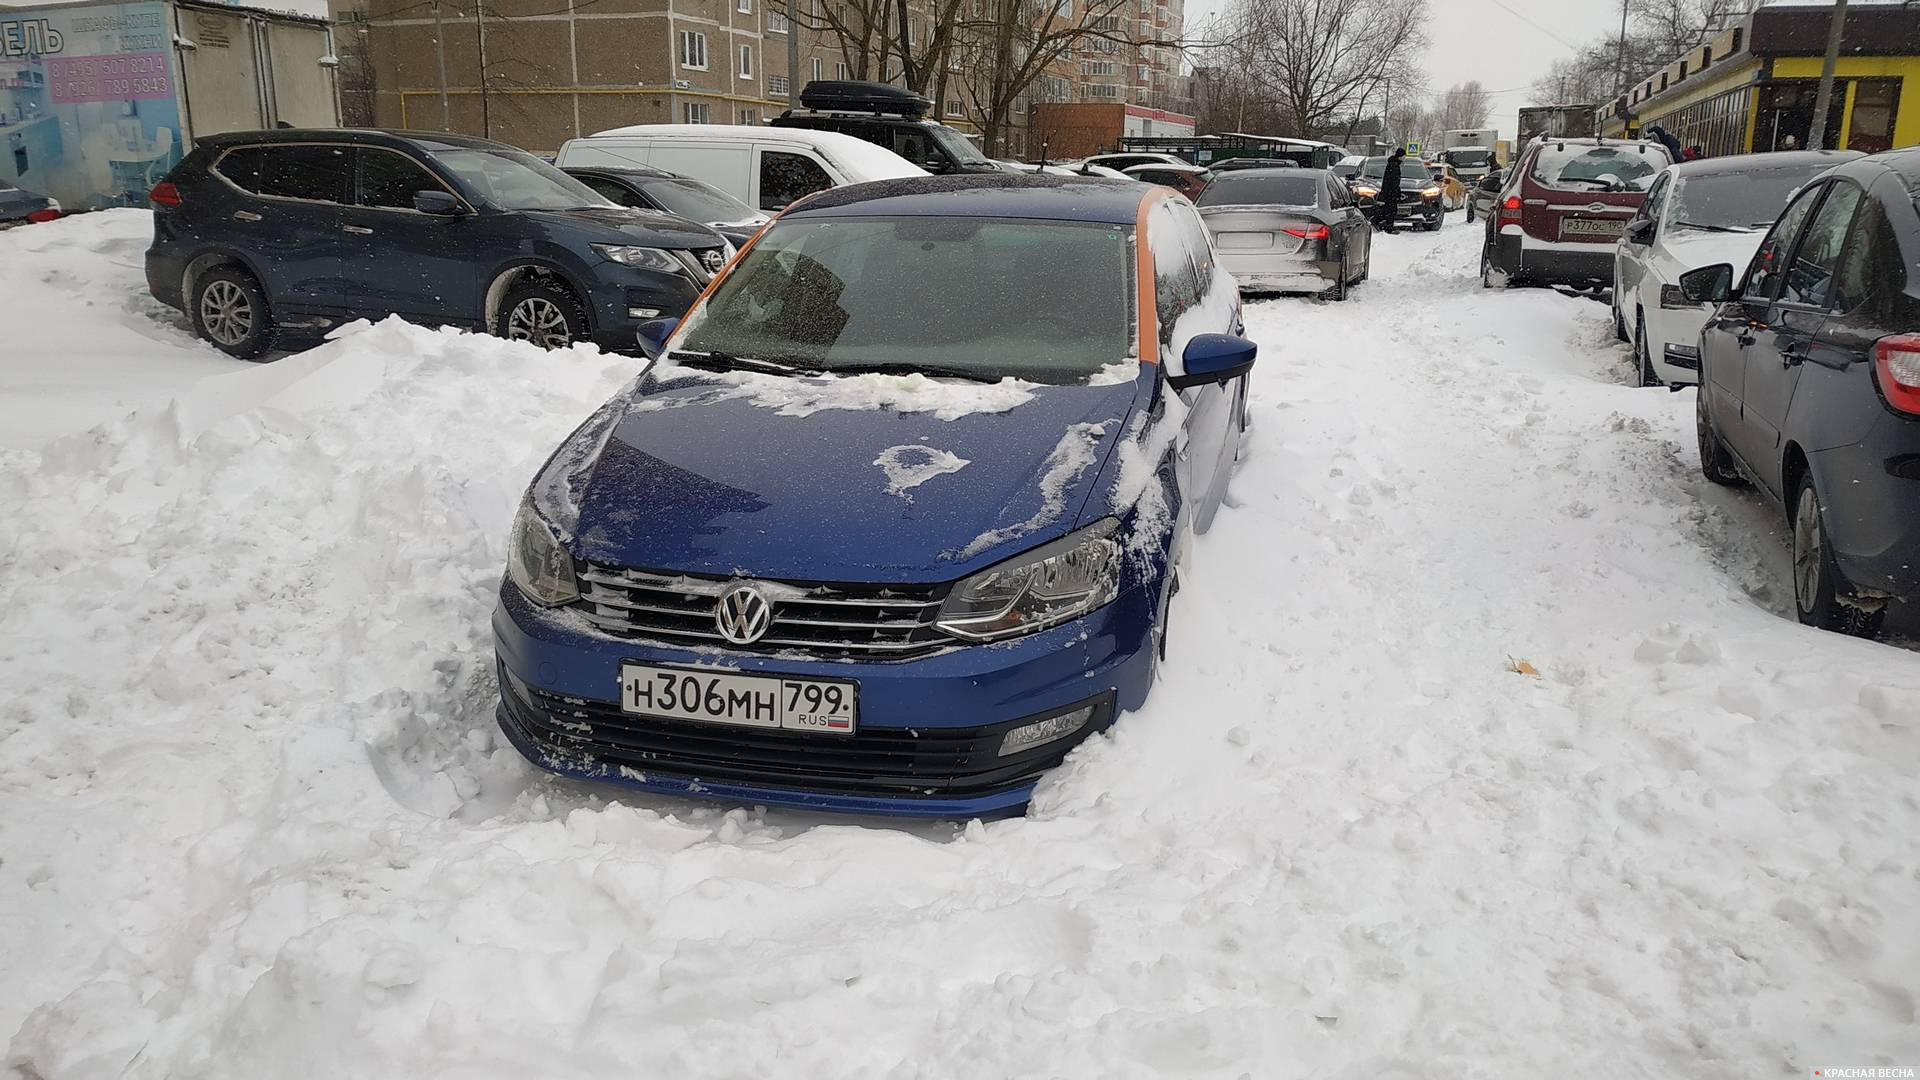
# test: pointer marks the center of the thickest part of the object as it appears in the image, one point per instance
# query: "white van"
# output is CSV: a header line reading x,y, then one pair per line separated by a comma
x,y
761,166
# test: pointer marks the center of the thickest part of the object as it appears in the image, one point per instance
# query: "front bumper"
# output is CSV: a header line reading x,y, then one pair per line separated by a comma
x,y
1673,342
929,728
617,293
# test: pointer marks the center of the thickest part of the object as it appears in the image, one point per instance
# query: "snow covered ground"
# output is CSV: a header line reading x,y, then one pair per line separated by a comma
x,y
255,820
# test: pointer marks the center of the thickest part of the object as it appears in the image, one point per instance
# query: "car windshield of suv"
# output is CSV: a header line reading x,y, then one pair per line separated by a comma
x,y
957,146
511,180
1231,189
1748,199
1470,159
700,202
977,298
1626,167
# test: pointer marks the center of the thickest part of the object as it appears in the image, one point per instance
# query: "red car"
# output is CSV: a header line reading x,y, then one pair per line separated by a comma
x,y
1564,206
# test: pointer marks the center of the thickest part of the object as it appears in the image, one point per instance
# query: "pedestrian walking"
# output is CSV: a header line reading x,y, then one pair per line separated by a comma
x,y
1667,139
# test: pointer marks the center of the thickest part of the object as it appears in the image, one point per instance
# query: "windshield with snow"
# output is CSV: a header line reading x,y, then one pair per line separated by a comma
x,y
1748,199
1627,167
1231,190
977,298
512,180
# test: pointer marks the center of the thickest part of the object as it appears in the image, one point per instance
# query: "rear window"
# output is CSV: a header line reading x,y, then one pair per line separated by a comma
x,y
1470,159
1231,190
1571,167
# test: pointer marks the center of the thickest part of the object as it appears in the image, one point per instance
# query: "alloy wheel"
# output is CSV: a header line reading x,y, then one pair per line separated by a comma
x,y
1808,549
226,312
541,322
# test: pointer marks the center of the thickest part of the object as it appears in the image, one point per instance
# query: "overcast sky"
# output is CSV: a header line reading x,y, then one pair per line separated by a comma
x,y
1487,40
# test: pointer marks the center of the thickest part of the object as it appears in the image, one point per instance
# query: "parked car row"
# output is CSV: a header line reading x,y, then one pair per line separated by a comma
x,y
1782,285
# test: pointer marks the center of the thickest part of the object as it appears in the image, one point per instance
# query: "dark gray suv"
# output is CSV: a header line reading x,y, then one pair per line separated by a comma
x,y
258,235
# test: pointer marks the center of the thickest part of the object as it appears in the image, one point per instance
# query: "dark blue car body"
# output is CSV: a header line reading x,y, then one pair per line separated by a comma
x,y
684,484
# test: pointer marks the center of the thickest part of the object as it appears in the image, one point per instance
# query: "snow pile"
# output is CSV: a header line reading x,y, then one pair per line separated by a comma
x,y
944,399
907,467
254,820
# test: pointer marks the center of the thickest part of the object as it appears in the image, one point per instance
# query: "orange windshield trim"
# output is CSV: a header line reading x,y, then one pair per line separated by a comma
x,y
1149,320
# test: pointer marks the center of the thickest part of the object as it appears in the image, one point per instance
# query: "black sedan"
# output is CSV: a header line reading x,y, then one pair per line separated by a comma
x,y
1288,230
656,189
1810,386
1420,204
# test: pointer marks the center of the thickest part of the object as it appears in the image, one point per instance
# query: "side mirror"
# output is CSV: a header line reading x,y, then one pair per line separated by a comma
x,y
437,203
654,334
1640,231
1708,285
1214,358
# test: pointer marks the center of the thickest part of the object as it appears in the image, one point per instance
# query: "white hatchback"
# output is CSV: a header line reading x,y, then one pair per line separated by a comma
x,y
1696,214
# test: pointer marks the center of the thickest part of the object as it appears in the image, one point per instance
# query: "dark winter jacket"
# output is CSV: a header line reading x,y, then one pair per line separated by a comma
x,y
1390,182
1668,140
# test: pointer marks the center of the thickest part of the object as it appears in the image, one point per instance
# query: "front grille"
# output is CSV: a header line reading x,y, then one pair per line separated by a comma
x,y
872,621
595,736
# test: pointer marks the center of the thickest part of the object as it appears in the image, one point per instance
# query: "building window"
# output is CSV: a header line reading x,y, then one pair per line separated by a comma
x,y
816,69
776,24
699,112
693,50
749,117
746,62
777,86
954,109
840,70
744,7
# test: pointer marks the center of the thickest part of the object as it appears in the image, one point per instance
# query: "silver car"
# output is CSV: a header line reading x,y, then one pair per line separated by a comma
x,y
1288,231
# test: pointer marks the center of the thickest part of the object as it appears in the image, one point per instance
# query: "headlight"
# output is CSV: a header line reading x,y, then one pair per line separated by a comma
x,y
1045,587
537,563
1367,191
645,258
1430,193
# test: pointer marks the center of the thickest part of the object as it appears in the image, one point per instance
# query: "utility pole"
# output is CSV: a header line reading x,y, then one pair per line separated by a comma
x,y
440,51
1822,101
1620,54
793,57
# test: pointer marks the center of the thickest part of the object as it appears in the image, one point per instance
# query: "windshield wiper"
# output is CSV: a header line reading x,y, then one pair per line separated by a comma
x,y
903,368
1608,184
715,360
1712,228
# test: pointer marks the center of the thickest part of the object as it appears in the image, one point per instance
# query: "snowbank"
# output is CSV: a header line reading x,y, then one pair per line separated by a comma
x,y
254,820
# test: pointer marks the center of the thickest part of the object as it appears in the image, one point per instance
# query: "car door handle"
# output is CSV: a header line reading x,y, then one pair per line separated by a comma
x,y
245,215
1793,352
356,230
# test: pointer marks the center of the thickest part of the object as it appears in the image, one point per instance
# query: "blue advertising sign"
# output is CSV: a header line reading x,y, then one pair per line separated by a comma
x,y
89,104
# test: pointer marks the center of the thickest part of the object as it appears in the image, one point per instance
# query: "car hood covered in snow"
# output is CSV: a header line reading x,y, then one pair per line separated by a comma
x,y
1690,249
867,478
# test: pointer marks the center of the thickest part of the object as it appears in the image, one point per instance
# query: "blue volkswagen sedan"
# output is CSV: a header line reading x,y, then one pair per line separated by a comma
x,y
893,521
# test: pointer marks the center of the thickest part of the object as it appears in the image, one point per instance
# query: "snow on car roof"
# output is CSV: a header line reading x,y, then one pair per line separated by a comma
x,y
858,157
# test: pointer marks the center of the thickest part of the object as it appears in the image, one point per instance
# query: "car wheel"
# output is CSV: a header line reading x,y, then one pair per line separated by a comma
x,y
1340,286
230,310
1642,356
1820,595
1488,280
542,312
1619,320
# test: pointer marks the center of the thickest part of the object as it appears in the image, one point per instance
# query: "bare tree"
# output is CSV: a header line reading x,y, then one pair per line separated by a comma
x,y
1463,105
1661,31
1320,61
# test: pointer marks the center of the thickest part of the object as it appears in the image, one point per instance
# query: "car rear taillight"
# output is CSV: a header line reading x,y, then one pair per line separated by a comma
x,y
164,194
43,215
1510,211
1896,360
1318,232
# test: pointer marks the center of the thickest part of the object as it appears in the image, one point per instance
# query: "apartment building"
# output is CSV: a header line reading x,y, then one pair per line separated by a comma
x,y
536,73
1150,75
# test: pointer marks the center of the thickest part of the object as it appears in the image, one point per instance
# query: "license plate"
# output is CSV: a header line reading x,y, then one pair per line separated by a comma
x,y
759,701
1591,227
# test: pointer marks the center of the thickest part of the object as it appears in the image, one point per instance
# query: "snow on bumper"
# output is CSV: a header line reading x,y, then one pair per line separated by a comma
x,y
1280,273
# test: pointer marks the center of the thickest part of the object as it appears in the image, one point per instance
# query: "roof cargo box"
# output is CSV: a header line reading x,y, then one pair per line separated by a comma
x,y
839,95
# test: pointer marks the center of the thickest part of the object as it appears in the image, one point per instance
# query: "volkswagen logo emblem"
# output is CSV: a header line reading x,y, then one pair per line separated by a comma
x,y
743,615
